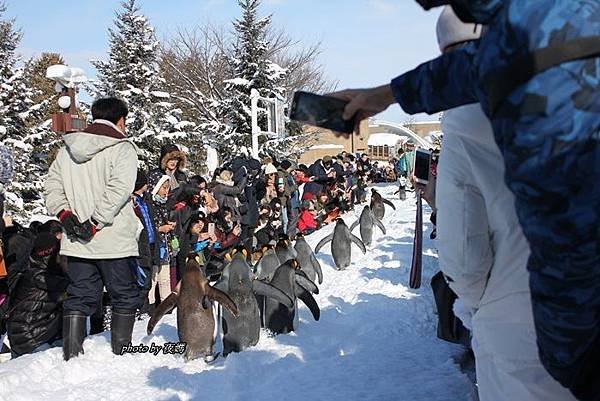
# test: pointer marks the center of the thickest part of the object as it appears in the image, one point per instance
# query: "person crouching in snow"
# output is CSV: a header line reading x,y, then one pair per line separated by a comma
x,y
307,223
40,284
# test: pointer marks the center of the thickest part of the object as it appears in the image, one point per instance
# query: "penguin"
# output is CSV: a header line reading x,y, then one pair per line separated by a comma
x,y
279,318
401,189
341,239
367,221
267,265
244,331
195,321
377,204
284,250
307,259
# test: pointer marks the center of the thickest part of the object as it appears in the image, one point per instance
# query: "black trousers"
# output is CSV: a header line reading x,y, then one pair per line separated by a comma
x,y
89,276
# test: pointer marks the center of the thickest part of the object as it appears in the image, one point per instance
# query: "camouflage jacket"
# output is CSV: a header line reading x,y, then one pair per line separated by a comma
x,y
547,130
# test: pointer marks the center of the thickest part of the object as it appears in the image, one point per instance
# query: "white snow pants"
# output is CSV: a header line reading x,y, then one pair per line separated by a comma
x,y
483,251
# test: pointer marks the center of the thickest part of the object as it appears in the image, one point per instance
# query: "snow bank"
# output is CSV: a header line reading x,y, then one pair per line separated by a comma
x,y
375,341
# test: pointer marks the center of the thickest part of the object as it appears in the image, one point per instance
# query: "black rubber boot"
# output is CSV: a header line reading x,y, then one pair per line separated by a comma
x,y
121,328
73,332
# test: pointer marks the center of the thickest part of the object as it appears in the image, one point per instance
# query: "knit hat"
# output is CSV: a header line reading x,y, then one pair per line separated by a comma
x,y
159,183
141,180
270,169
450,30
45,244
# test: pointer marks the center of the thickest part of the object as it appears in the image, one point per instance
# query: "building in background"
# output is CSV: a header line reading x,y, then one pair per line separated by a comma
x,y
379,139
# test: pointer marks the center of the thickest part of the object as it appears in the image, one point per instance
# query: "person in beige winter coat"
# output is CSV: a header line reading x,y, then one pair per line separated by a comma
x,y
88,187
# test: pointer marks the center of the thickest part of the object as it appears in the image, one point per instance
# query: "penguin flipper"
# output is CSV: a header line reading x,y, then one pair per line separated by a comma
x,y
303,280
309,301
222,298
387,202
379,224
323,242
165,306
267,290
222,285
353,226
358,243
317,266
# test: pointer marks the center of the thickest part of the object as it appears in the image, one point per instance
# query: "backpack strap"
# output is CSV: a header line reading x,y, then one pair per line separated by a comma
x,y
500,84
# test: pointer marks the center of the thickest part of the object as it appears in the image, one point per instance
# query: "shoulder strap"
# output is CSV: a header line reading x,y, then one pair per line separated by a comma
x,y
500,84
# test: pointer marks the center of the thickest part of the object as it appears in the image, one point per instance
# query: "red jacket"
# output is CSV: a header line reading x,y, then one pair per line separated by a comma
x,y
306,221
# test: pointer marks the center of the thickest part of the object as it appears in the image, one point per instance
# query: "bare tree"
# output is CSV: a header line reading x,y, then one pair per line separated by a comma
x,y
195,64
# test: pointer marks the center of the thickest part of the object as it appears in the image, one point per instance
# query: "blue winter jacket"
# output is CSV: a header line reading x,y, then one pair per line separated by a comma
x,y
547,130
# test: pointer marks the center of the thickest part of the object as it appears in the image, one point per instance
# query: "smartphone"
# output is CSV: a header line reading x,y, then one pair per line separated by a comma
x,y
422,165
321,111
211,228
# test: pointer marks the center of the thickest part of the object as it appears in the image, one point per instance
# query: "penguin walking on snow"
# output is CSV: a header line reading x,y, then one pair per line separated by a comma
x,y
378,203
193,297
367,222
267,264
341,241
284,250
288,278
307,259
243,331
401,189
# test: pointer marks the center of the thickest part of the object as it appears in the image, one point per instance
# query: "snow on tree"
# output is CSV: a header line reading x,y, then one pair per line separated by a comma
x,y
132,73
35,74
251,70
205,69
21,110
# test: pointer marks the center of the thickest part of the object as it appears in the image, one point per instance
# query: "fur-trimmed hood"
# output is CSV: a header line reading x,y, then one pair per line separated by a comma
x,y
169,152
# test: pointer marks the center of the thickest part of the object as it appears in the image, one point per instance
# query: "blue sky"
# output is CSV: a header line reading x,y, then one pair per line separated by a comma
x,y
364,42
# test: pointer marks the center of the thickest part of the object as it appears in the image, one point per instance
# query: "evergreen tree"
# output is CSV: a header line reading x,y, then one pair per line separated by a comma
x,y
252,70
132,73
35,74
18,116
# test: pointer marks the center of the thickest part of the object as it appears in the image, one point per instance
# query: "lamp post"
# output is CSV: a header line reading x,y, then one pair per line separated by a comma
x,y
66,79
275,118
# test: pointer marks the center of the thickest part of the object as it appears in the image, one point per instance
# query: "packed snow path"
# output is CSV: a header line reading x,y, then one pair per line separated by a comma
x,y
376,340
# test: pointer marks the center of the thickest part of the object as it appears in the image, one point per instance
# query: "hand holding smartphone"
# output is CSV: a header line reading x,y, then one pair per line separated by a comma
x,y
321,111
422,165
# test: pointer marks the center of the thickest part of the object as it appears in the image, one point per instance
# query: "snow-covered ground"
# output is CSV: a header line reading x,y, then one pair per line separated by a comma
x,y
375,341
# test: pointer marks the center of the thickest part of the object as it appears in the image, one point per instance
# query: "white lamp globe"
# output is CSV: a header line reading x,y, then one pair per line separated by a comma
x,y
64,102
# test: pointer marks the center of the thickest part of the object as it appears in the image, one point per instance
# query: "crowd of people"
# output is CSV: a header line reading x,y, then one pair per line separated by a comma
x,y
518,83
128,231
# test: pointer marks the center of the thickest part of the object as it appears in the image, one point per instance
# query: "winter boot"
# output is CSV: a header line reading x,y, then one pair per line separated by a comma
x,y
73,332
121,328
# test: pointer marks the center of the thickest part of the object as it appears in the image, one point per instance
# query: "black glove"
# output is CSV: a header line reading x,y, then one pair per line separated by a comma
x,y
86,231
74,229
69,222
